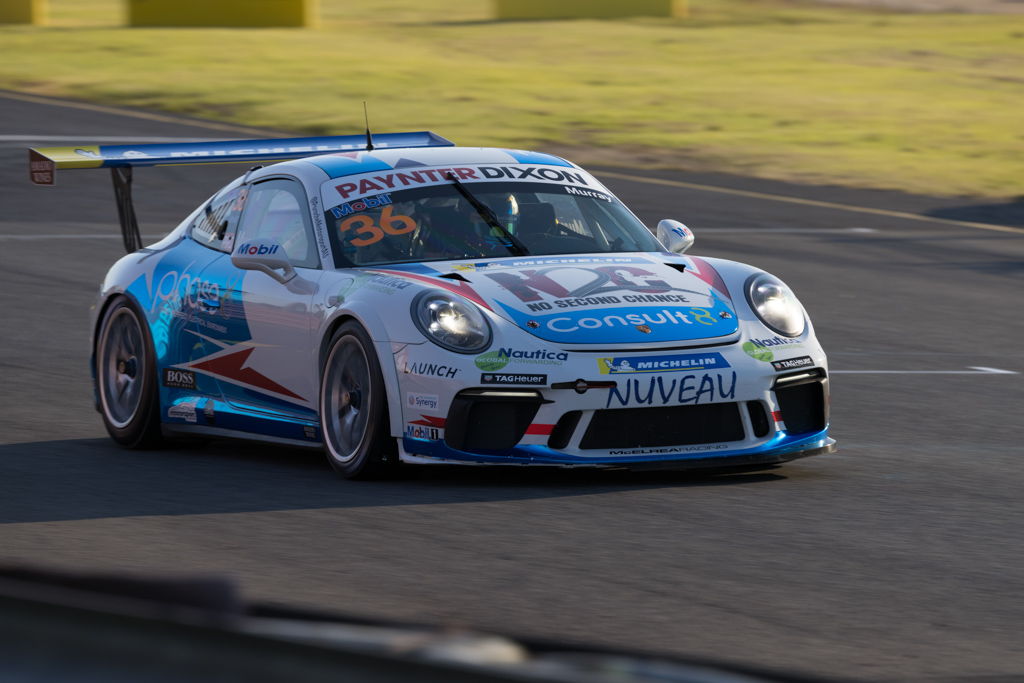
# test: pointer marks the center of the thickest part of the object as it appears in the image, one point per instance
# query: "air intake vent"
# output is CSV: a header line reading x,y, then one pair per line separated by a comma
x,y
669,426
483,419
802,407
562,433
758,418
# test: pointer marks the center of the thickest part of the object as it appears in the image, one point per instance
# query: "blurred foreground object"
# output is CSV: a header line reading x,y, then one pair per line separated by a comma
x,y
23,12
67,627
588,9
242,13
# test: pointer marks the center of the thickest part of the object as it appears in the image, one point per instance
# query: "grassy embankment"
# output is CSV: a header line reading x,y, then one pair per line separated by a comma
x,y
774,88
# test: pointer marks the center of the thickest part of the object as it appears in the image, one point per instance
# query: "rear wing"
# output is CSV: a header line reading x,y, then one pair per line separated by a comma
x,y
120,159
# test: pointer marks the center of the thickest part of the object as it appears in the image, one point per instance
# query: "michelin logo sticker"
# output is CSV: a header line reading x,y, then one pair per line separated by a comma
x,y
668,363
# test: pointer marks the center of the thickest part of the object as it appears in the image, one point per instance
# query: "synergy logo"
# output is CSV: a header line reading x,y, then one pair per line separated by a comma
x,y
496,360
249,249
422,401
672,363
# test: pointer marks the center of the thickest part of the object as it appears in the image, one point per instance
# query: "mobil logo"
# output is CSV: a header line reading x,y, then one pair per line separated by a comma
x,y
257,249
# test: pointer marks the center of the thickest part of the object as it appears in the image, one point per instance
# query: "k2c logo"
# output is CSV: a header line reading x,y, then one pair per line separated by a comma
x,y
528,285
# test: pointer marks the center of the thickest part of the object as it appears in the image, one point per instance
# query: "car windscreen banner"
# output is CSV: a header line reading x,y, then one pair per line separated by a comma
x,y
339,191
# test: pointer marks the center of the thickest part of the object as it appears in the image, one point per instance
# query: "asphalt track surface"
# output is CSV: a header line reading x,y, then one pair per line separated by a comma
x,y
899,558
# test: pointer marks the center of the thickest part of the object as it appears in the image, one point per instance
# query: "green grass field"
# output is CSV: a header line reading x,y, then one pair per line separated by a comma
x,y
773,88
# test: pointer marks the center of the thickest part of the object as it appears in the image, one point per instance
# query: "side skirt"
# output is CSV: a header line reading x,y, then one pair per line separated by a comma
x,y
170,430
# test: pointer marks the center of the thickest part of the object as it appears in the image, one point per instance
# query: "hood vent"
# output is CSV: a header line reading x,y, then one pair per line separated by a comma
x,y
454,276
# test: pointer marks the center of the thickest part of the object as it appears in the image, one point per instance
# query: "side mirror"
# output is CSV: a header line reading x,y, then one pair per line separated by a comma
x,y
674,236
266,256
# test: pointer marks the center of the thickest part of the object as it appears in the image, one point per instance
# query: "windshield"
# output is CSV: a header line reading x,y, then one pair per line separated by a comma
x,y
440,223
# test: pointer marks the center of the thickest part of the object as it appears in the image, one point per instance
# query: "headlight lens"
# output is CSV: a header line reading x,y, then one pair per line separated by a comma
x,y
451,322
776,305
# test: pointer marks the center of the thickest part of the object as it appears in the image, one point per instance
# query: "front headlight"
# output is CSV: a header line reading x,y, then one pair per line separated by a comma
x,y
451,322
776,305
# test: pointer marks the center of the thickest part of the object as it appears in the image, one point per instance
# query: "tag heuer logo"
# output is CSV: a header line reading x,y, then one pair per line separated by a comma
x,y
792,363
513,378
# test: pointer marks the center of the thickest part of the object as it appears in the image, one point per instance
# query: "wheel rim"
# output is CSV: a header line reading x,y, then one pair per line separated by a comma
x,y
122,367
345,401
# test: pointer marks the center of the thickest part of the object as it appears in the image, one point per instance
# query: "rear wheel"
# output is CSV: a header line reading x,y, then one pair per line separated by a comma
x,y
353,407
126,377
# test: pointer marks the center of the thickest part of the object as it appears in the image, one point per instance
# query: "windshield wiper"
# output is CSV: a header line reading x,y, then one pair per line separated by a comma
x,y
514,246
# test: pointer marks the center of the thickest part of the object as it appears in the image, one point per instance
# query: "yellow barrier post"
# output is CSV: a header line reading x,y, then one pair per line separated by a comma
x,y
23,12
226,13
589,9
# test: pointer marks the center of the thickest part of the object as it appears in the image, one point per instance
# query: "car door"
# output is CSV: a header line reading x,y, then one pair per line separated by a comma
x,y
180,301
258,336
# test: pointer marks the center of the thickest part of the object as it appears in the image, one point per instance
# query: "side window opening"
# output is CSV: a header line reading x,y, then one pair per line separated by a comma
x,y
214,227
275,211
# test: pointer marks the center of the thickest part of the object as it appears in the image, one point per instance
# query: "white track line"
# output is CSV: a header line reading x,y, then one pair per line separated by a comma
x,y
149,116
805,202
974,370
807,231
104,236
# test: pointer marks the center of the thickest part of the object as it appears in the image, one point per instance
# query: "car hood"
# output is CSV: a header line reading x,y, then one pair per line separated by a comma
x,y
592,298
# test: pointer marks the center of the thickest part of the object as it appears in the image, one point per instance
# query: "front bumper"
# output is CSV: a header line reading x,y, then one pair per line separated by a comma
x,y
783,450
739,410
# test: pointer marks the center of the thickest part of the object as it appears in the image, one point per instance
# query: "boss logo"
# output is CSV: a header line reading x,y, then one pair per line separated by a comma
x,y
179,379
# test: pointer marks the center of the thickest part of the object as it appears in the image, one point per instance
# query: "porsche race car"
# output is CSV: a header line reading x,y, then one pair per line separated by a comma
x,y
400,299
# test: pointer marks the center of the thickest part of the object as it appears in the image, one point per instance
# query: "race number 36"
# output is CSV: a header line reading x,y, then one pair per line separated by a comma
x,y
370,233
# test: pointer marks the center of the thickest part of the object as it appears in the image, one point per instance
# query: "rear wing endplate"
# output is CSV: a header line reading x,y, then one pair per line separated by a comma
x,y
120,159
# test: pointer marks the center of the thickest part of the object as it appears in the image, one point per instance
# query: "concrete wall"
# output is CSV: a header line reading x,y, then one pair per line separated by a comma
x,y
232,13
23,12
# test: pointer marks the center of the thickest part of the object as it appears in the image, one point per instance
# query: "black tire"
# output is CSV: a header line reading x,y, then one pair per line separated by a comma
x,y
354,407
126,377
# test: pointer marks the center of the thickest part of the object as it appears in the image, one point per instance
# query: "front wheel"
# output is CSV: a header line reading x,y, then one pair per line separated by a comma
x,y
126,377
353,407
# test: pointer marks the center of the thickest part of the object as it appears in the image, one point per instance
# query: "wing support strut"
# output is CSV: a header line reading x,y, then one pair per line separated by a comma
x,y
122,177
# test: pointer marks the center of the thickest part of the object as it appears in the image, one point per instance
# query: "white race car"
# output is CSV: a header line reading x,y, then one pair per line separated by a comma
x,y
400,299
